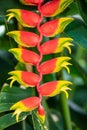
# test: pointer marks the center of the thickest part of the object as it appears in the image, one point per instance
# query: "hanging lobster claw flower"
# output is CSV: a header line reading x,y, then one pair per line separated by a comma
x,y
31,2
25,56
56,45
25,105
54,27
41,113
24,17
55,65
24,38
28,79
55,7
51,89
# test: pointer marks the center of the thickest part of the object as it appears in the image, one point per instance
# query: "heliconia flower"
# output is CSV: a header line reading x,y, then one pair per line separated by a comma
x,y
56,45
24,38
55,7
28,79
55,65
41,113
53,88
31,2
54,27
24,17
25,56
25,105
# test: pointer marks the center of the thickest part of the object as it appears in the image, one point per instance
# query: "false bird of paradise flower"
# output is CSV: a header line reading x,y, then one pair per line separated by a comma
x,y
27,39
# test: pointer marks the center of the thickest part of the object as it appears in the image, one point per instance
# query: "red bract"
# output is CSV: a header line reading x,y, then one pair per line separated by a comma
x,y
56,45
30,38
55,7
49,46
54,27
28,79
53,88
50,8
48,29
31,2
30,57
48,88
24,38
41,113
54,65
29,17
24,17
48,66
25,105
31,102
25,56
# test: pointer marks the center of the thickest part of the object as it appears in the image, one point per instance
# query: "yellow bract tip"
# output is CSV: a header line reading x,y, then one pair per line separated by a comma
x,y
63,22
62,62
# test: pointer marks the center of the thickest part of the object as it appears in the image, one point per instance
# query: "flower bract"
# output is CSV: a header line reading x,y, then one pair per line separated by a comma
x,y
53,88
25,56
56,45
24,38
28,79
54,27
55,65
41,113
24,17
25,105
55,7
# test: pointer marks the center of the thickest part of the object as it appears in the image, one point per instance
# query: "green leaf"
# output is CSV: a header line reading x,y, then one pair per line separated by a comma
x,y
7,4
9,96
7,64
78,31
82,6
80,97
78,71
79,117
7,120
55,120
70,10
5,107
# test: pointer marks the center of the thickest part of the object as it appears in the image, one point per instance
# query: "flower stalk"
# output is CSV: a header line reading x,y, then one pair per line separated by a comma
x,y
65,112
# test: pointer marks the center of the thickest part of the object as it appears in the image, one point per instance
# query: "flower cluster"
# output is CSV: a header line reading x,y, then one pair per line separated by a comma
x,y
26,39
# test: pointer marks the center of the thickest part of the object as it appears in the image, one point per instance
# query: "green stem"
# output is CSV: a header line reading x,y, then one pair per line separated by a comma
x,y
65,112
24,125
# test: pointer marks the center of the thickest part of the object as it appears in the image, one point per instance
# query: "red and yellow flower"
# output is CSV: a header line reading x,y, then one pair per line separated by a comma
x,y
24,17
29,39
54,27
28,79
55,65
55,7
56,45
51,89
25,105
24,38
25,56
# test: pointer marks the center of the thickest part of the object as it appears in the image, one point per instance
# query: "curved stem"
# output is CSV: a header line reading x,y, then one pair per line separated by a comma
x,y
65,112
38,47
